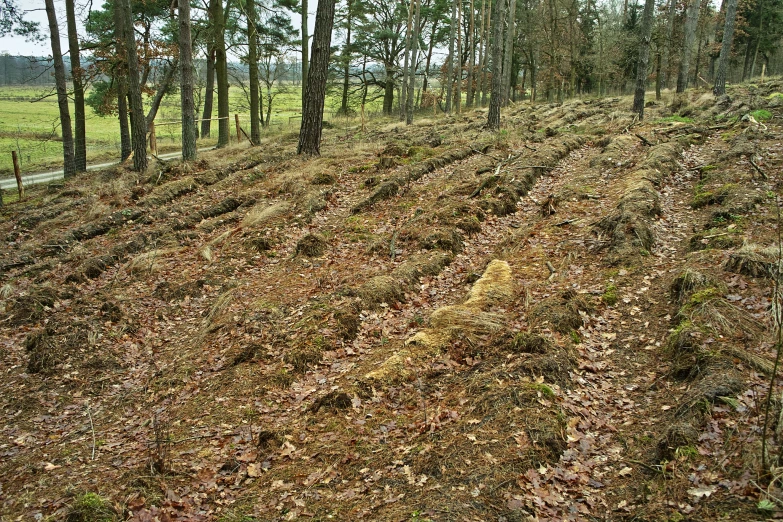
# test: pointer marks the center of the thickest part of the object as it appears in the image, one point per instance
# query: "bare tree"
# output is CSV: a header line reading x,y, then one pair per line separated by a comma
x,y
412,73
69,164
644,58
313,115
507,57
450,67
186,83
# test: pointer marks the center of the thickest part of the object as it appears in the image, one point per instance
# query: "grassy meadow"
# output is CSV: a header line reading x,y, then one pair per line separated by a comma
x,y
30,124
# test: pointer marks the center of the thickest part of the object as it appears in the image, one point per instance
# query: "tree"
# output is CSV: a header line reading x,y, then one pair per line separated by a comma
x,y
217,18
186,83
69,162
719,89
509,53
312,117
209,94
12,21
252,62
644,58
493,117
138,121
451,58
79,142
305,57
412,74
692,19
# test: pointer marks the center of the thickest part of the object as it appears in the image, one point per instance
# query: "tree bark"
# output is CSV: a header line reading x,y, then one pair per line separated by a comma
x,y
412,71
162,88
691,20
644,58
406,63
79,139
69,162
252,62
485,71
493,118
458,94
138,121
121,79
209,95
305,57
312,117
218,20
450,67
187,101
507,58
346,61
480,69
669,32
719,89
471,56
434,30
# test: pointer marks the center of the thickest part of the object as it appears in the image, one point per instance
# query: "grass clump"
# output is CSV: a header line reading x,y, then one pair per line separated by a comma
x,y
761,115
675,118
91,507
610,295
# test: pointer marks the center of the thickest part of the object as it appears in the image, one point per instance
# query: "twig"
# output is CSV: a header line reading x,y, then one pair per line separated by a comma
x,y
92,427
654,469
550,267
565,222
644,140
758,169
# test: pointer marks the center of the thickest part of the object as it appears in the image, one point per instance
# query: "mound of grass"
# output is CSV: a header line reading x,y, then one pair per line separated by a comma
x,y
675,118
761,115
91,507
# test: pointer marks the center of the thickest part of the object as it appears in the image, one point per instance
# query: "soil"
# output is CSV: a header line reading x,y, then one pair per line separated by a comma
x,y
572,319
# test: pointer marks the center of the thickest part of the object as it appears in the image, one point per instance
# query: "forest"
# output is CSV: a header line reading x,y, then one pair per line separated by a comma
x,y
412,56
505,260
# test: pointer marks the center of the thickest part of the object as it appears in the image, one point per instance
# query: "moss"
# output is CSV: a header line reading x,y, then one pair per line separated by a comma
x,y
90,507
610,295
675,118
761,115
542,388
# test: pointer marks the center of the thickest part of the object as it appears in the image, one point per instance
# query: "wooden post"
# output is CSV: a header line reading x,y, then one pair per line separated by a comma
x,y
239,136
18,174
153,139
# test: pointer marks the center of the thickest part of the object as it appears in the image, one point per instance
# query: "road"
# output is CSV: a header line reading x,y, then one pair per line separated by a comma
x,y
45,177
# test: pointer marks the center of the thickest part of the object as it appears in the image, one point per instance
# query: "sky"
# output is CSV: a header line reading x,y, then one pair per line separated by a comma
x,y
16,45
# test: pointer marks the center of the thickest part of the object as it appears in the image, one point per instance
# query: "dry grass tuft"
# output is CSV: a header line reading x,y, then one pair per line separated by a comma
x,y
150,262
755,261
263,213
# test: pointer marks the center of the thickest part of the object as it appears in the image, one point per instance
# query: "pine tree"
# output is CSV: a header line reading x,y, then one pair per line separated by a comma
x,y
186,83
69,162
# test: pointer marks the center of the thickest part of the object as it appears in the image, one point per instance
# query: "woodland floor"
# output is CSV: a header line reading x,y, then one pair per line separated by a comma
x,y
568,320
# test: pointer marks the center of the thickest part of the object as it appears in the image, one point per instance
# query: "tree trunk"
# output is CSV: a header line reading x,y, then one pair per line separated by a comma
x,y
406,63
305,49
79,139
346,61
669,32
69,162
162,88
425,83
450,67
485,70
312,117
138,121
187,102
121,79
388,91
252,60
482,39
458,94
412,72
644,58
472,55
719,88
658,74
217,17
209,95
507,59
493,118
691,20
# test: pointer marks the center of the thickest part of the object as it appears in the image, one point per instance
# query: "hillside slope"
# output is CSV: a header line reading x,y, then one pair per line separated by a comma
x,y
568,320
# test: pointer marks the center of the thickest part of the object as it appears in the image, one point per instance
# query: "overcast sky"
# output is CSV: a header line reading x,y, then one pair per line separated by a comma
x,y
16,45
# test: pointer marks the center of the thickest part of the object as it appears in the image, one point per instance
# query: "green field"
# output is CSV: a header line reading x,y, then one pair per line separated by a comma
x,y
30,124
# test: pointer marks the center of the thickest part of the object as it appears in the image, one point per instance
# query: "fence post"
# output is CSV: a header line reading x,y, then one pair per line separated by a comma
x,y
18,174
236,120
153,139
